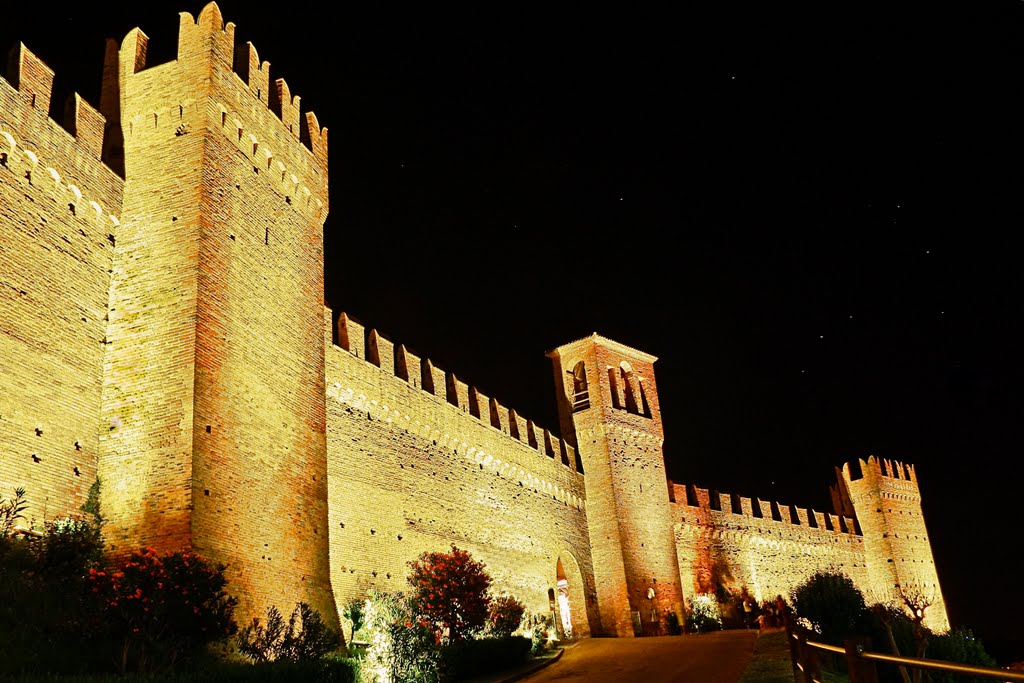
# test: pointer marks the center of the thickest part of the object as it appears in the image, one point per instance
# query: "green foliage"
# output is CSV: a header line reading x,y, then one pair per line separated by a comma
x,y
703,614
48,617
672,626
959,646
403,646
164,609
450,590
258,642
473,658
352,611
833,605
504,616
306,637
541,628
899,624
11,510
328,670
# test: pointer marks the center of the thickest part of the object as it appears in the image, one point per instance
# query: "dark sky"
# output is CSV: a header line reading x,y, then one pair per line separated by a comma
x,y
811,219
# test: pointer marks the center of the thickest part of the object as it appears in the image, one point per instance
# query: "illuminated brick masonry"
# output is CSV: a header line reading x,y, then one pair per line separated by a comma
x,y
162,328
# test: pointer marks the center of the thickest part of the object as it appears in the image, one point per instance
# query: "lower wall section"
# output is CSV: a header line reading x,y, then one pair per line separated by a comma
x,y
396,491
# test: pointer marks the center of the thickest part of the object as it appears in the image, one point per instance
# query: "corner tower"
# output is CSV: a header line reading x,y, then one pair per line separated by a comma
x,y
213,388
886,502
608,405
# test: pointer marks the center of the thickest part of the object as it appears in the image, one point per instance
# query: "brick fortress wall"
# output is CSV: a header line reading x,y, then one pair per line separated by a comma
x,y
769,548
884,496
167,333
59,209
214,377
418,460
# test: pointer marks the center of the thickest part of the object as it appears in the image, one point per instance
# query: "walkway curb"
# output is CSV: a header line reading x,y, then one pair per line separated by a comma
x,y
533,668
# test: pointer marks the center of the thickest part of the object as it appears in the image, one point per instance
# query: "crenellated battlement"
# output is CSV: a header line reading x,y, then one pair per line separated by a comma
x,y
881,467
32,79
237,81
69,151
370,346
700,506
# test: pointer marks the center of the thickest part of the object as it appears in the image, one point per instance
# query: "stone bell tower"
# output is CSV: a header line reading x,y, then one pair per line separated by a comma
x,y
608,403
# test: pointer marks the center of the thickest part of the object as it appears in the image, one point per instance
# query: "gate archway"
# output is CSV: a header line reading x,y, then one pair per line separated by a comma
x,y
570,604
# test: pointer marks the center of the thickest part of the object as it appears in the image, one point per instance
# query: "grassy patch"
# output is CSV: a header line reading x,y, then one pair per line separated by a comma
x,y
771,662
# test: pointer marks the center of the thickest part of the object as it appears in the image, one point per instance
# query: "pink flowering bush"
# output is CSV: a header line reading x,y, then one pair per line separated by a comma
x,y
451,591
505,616
163,609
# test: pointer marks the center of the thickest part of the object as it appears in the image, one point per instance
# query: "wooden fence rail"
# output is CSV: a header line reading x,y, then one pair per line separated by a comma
x,y
861,663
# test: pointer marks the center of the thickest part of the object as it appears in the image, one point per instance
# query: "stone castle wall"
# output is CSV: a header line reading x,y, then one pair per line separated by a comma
x,y
215,368
166,332
887,503
59,209
414,469
734,542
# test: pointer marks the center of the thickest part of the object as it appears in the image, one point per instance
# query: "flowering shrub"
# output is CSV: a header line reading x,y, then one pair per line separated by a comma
x,y
703,614
48,618
504,616
402,646
164,608
541,629
450,590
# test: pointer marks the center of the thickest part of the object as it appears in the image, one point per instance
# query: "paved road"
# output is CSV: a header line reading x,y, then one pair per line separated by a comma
x,y
717,657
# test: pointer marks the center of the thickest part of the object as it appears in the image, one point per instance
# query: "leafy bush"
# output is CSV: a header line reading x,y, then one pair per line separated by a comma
x,y
504,616
541,629
833,605
48,618
352,612
672,624
472,658
11,511
164,609
703,614
403,646
306,637
450,590
959,646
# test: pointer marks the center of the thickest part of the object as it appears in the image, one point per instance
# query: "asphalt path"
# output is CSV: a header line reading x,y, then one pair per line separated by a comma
x,y
716,657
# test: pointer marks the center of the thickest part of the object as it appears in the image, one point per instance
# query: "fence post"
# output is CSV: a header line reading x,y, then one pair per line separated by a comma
x,y
794,647
860,670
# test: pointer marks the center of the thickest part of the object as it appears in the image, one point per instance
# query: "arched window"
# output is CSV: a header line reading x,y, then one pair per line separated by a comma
x,y
580,393
645,408
613,386
627,386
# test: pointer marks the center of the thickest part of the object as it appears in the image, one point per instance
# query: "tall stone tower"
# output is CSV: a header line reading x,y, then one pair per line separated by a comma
x,y
608,404
886,502
213,387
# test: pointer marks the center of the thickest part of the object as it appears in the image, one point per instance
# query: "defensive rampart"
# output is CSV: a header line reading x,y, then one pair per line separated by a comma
x,y
213,378
59,209
418,460
730,542
167,334
884,496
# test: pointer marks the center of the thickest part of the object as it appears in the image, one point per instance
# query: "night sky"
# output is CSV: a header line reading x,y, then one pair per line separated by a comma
x,y
810,219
